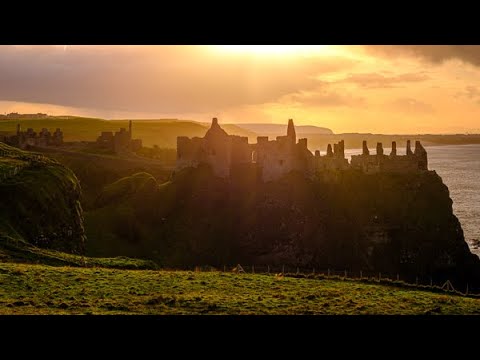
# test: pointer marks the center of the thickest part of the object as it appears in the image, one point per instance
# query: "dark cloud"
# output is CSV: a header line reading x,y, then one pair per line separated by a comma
x,y
161,79
411,106
433,53
376,80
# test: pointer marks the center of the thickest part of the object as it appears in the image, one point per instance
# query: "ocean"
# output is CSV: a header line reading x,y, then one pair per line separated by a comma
x,y
459,168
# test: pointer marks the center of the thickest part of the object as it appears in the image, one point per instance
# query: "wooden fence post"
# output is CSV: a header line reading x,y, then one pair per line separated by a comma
x,y
398,277
298,271
268,269
224,268
253,269
466,292
345,274
431,281
283,270
361,274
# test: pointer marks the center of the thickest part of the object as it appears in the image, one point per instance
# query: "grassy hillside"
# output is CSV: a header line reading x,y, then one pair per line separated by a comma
x,y
18,251
346,220
40,201
40,289
94,171
153,132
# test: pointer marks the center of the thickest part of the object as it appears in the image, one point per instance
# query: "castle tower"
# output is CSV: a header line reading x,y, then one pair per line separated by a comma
x,y
365,150
329,150
291,131
394,148
215,130
418,148
409,148
130,130
341,149
421,154
19,128
379,148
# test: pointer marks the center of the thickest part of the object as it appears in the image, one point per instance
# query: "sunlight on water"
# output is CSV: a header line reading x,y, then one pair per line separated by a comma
x,y
459,167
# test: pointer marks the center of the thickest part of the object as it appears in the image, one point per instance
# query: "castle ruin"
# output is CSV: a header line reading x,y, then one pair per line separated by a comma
x,y
24,139
120,142
278,157
412,161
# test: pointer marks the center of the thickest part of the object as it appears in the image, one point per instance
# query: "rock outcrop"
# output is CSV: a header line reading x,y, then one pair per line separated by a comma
x,y
40,202
383,222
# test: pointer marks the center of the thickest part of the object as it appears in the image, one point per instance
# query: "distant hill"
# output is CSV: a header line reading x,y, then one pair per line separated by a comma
x,y
235,129
161,132
280,129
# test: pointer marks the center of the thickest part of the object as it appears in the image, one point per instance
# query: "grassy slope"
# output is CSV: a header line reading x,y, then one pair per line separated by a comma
x,y
18,251
40,289
40,199
153,132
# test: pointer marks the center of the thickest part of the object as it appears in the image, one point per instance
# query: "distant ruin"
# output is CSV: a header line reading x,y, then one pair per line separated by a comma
x,y
283,155
120,142
24,139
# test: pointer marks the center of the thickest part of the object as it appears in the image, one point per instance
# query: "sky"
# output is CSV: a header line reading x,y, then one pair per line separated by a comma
x,y
370,89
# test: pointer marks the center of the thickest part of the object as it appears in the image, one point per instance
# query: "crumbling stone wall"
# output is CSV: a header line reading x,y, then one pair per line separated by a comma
x,y
276,158
411,162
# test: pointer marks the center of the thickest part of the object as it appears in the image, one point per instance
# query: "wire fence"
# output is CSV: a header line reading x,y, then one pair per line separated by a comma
x,y
417,282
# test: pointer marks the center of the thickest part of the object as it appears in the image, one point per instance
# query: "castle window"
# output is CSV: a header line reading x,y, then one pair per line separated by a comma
x,y
281,162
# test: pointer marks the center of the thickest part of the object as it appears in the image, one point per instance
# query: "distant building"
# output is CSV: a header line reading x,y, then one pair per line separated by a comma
x,y
23,116
278,157
120,142
24,139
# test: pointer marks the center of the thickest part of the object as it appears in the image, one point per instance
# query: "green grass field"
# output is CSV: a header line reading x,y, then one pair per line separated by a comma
x,y
42,289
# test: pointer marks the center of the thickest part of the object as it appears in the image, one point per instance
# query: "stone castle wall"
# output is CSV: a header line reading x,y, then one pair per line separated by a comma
x,y
276,158
23,139
412,161
120,142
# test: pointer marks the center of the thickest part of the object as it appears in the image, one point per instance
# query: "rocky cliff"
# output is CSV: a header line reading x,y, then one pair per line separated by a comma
x,y
390,223
39,202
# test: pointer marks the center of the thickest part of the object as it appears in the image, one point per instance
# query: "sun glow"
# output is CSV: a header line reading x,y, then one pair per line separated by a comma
x,y
272,50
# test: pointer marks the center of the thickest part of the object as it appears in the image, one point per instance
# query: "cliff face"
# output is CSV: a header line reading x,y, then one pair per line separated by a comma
x,y
390,223
40,202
